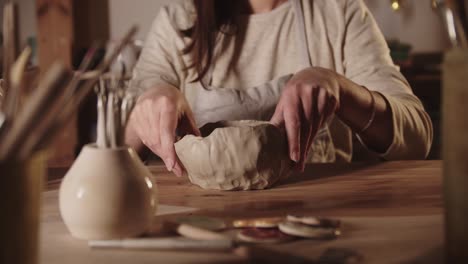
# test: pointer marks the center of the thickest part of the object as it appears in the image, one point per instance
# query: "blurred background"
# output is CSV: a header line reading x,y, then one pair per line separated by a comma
x,y
65,28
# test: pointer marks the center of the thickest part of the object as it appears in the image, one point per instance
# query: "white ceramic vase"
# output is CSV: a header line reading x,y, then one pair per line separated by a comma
x,y
108,194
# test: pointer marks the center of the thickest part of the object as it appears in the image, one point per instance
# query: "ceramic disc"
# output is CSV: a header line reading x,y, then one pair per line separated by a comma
x,y
203,222
263,235
267,222
307,231
315,221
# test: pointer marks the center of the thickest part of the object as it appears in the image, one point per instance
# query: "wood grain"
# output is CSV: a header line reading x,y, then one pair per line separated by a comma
x,y
391,213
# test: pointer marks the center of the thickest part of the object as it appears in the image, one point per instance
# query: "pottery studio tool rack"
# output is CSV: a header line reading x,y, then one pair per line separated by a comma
x,y
30,124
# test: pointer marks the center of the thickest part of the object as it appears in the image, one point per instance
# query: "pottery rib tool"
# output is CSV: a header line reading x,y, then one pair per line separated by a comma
x,y
164,244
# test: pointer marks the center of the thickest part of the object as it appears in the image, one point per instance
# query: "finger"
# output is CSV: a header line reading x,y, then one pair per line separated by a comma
x,y
277,119
178,169
308,103
308,145
293,130
305,136
330,109
323,101
167,128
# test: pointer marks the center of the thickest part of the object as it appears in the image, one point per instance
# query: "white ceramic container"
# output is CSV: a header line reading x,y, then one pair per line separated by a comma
x,y
108,194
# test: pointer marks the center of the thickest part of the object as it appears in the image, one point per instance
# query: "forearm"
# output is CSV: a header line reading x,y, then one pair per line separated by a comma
x,y
355,110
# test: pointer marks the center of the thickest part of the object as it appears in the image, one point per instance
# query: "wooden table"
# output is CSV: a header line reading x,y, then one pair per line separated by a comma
x,y
392,213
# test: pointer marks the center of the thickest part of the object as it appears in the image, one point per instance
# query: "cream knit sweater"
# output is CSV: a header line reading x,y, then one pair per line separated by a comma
x,y
342,36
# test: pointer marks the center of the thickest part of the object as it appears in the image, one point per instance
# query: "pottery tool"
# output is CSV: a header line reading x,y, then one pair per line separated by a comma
x,y
314,221
111,126
164,244
84,66
34,110
128,104
10,44
101,135
452,21
2,120
263,235
17,71
307,231
66,97
2,93
115,104
51,105
87,82
89,79
266,222
16,87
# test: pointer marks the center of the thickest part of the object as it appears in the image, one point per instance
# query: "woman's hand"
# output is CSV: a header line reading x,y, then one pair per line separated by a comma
x,y
154,121
308,100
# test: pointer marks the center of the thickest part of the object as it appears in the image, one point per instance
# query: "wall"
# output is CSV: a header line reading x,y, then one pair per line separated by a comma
x,y
416,24
27,18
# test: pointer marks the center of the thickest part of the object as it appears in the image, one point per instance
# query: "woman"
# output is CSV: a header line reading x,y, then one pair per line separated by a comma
x,y
312,67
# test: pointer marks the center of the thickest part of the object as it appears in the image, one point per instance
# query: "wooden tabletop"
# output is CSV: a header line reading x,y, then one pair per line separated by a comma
x,y
391,213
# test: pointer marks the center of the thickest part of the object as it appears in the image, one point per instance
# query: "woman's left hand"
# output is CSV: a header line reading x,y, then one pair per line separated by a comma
x,y
310,97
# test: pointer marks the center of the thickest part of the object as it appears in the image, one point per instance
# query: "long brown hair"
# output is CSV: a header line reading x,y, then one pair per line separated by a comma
x,y
212,17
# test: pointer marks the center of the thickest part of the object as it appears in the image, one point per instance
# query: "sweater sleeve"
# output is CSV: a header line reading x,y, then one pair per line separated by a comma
x,y
160,61
367,62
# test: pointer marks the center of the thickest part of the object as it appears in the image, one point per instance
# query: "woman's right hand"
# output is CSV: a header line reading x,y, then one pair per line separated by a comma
x,y
157,115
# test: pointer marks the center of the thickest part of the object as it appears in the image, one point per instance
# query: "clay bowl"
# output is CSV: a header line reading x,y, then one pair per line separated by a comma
x,y
235,155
